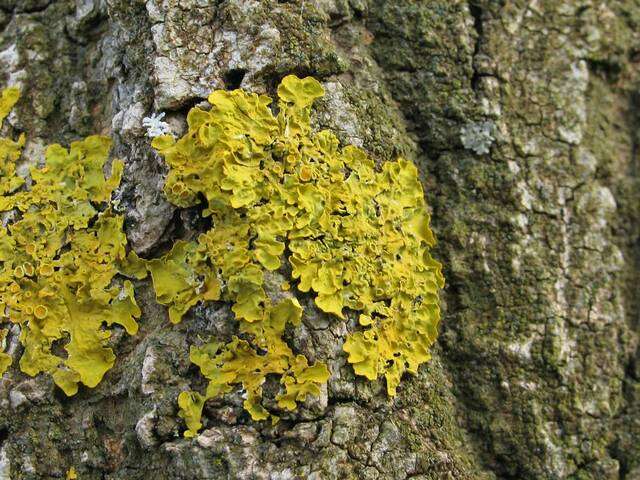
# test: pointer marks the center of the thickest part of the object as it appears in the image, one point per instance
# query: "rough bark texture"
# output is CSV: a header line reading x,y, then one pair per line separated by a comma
x,y
537,370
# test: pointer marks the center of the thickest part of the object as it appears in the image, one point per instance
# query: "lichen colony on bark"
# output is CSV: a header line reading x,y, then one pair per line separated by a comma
x,y
535,372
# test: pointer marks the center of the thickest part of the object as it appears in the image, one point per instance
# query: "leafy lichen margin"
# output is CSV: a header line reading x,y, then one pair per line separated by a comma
x,y
59,257
355,234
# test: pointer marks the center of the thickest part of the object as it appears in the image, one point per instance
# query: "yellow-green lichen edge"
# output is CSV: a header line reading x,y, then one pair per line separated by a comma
x,y
356,235
59,257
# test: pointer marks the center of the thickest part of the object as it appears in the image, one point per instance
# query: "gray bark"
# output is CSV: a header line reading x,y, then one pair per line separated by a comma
x,y
536,372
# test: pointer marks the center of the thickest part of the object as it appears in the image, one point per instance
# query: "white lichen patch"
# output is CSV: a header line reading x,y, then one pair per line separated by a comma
x,y
478,136
148,368
145,429
522,349
530,386
155,126
17,398
524,195
5,464
10,60
572,113
555,458
490,100
344,118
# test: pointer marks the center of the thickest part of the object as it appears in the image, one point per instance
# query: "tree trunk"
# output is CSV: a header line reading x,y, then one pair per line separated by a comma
x,y
536,373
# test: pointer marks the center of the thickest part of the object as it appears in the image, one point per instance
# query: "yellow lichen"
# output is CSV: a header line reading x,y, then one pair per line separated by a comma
x,y
59,255
9,149
181,279
5,358
238,362
356,235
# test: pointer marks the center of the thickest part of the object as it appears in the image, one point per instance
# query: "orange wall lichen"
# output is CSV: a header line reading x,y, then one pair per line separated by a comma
x,y
61,249
356,235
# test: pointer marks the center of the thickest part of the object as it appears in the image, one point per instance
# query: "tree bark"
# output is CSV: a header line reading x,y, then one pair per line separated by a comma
x,y
536,374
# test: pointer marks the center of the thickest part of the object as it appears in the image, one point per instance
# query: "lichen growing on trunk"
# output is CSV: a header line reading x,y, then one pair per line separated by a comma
x,y
535,372
59,257
356,235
